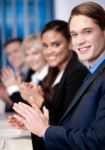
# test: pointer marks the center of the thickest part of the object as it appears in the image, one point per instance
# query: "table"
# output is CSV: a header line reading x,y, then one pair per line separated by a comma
x,y
11,138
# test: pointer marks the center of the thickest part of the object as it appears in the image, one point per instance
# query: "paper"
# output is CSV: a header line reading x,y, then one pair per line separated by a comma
x,y
2,144
18,144
9,133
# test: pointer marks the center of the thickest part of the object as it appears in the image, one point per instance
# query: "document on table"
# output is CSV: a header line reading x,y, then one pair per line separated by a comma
x,y
12,138
2,144
13,133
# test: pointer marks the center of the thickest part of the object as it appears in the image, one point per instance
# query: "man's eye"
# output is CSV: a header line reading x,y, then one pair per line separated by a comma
x,y
88,32
73,34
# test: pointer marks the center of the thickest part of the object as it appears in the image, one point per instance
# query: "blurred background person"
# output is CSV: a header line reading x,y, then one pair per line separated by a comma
x,y
16,73
14,54
4,98
34,58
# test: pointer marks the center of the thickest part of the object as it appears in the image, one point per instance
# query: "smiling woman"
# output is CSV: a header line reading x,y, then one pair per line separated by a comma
x,y
56,44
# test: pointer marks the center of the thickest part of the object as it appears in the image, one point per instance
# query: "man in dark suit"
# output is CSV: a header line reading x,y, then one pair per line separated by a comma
x,y
82,127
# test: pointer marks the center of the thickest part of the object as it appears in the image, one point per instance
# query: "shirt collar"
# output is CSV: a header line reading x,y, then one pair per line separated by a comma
x,y
39,76
97,64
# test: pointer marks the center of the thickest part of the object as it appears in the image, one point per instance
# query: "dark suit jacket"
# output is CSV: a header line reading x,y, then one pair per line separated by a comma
x,y
82,127
71,80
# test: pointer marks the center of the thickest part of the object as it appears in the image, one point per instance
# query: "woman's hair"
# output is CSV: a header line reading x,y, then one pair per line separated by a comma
x,y
30,42
92,10
59,26
46,84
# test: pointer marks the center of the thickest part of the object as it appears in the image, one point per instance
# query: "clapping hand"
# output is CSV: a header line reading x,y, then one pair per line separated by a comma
x,y
32,118
34,91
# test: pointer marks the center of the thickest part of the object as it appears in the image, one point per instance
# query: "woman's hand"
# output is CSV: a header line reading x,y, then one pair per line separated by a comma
x,y
4,95
32,118
13,122
9,78
34,91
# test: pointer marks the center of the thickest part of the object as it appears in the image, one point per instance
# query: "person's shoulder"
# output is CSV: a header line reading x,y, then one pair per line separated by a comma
x,y
75,65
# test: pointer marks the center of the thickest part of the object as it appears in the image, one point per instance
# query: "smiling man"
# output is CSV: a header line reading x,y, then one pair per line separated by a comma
x,y
83,125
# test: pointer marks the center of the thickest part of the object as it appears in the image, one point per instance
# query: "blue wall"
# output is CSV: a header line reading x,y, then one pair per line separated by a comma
x,y
19,18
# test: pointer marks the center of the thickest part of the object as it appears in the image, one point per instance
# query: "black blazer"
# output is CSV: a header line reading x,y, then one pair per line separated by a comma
x,y
71,80
82,127
16,97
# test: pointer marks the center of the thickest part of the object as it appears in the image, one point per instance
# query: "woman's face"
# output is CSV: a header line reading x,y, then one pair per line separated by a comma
x,y
55,49
34,58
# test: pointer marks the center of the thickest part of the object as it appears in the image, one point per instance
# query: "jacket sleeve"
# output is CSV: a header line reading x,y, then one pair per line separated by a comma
x,y
91,138
16,97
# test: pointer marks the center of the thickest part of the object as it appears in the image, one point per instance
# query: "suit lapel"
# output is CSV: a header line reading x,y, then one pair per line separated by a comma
x,y
83,88
69,68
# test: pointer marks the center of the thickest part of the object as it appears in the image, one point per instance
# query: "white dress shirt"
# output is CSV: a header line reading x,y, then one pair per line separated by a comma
x,y
35,78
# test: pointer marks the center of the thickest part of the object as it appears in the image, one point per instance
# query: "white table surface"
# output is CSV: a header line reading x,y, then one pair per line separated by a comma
x,y
11,138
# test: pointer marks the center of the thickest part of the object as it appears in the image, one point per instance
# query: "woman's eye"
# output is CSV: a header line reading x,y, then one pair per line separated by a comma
x,y
56,44
44,46
35,53
26,55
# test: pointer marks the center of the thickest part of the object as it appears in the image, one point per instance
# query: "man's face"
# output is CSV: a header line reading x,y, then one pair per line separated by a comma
x,y
87,38
14,54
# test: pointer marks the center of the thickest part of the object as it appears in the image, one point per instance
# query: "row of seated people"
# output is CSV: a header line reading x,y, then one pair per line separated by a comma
x,y
57,73
59,115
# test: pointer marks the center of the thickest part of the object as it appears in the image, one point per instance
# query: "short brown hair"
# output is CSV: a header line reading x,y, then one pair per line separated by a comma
x,y
92,10
12,40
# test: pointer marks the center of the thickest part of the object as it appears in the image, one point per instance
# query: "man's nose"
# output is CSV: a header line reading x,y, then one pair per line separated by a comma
x,y
80,39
